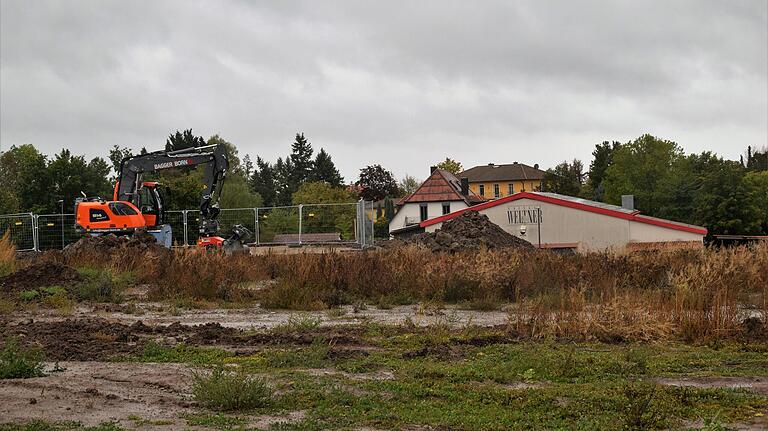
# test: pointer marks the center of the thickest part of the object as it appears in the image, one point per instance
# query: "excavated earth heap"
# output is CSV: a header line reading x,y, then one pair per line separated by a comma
x,y
469,231
140,241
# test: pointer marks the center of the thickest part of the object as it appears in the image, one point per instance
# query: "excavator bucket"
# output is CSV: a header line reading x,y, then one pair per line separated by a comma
x,y
236,243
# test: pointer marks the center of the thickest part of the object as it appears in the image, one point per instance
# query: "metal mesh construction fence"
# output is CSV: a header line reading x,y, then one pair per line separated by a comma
x,y
336,223
21,230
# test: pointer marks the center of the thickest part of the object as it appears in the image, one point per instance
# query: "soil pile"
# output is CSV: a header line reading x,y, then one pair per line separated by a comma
x,y
40,274
90,339
140,241
469,231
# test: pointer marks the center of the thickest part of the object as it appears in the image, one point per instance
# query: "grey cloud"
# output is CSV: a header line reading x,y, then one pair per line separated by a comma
x,y
403,84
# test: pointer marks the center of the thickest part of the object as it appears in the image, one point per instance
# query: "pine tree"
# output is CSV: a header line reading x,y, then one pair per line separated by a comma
x,y
284,181
262,181
301,160
180,141
325,170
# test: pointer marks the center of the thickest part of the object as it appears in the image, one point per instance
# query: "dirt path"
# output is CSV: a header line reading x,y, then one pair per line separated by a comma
x,y
256,317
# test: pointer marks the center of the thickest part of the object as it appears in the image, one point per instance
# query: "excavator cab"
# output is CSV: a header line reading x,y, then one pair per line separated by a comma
x,y
151,203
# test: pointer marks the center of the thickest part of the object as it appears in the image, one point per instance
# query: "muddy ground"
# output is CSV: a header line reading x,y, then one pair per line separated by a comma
x,y
132,395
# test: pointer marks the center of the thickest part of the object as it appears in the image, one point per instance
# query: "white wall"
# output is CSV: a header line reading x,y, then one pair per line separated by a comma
x,y
643,232
412,210
590,231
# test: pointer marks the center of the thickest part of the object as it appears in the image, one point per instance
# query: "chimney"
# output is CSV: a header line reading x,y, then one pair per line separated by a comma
x,y
464,186
536,166
628,202
432,169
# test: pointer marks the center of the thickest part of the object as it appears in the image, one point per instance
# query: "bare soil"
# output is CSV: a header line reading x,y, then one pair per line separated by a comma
x,y
97,339
136,396
40,274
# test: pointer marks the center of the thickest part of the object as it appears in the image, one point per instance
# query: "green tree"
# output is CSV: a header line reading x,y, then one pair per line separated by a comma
x,y
263,181
116,155
758,184
24,178
637,168
325,170
376,183
301,161
602,157
757,161
450,165
566,178
284,181
389,208
180,141
70,175
408,185
320,192
726,203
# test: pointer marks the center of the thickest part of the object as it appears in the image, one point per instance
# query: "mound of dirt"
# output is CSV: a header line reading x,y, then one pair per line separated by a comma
x,y
469,231
40,274
140,240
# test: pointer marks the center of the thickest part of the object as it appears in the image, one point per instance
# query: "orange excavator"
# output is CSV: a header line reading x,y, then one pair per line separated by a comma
x,y
139,204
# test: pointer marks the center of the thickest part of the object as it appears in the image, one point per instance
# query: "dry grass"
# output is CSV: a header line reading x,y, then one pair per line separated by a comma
x,y
692,295
7,255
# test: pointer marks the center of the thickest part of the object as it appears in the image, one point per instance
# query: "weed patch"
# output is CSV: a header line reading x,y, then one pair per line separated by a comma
x,y
230,391
17,362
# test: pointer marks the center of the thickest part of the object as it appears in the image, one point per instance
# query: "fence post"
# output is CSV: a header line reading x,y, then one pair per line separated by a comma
x,y
301,210
35,233
256,224
184,217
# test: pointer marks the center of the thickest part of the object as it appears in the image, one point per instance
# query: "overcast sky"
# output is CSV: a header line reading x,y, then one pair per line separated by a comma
x,y
400,83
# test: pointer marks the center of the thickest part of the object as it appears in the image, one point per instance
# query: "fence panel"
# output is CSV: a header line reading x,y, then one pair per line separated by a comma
x,y
21,228
176,220
278,225
55,231
241,216
328,223
299,224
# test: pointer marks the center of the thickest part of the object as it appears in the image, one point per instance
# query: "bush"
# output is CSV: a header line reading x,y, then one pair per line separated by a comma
x,y
228,391
20,363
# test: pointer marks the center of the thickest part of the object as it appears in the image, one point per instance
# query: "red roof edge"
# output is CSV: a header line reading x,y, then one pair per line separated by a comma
x,y
634,216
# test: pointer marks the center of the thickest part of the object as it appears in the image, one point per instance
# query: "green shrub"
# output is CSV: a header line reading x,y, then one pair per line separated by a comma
x,y
99,285
20,363
228,391
29,295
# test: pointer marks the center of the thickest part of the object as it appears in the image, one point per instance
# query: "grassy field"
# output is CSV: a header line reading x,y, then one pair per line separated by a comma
x,y
670,340
467,379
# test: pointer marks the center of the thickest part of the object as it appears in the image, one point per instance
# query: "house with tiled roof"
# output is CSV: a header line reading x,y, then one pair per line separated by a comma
x,y
440,194
494,181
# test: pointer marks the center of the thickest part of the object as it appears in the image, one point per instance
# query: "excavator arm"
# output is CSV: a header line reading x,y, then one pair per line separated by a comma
x,y
214,159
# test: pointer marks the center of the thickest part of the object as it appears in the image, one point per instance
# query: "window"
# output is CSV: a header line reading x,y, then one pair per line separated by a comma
x,y
97,215
119,208
446,207
510,188
481,189
496,193
424,212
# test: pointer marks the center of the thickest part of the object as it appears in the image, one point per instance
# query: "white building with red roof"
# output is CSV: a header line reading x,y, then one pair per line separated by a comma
x,y
550,220
440,194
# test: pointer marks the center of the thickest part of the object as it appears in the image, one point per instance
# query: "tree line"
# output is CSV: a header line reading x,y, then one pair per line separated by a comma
x,y
726,196
30,181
